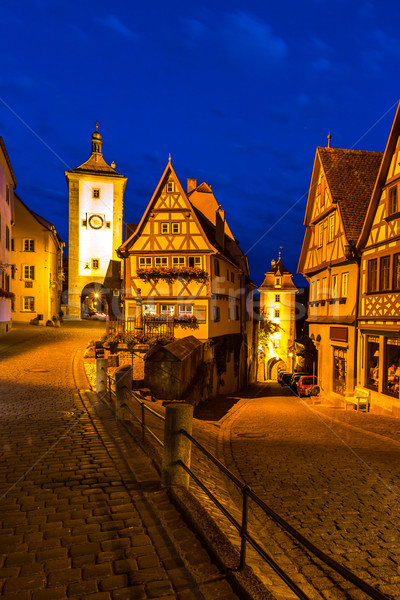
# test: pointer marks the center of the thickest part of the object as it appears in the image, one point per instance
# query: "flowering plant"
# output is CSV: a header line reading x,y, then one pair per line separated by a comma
x,y
170,274
6,294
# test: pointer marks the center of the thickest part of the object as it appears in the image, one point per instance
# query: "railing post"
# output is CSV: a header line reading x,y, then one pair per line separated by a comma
x,y
123,387
243,531
176,446
101,376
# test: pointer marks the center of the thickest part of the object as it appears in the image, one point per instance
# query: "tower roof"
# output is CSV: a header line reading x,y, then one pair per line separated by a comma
x,y
96,165
277,270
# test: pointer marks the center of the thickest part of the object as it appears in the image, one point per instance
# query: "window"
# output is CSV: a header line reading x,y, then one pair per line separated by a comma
x,y
28,303
195,261
276,343
232,277
391,371
384,275
277,297
276,313
95,263
372,271
175,228
345,284
334,286
324,288
29,272
12,244
8,194
216,269
29,284
149,310
108,224
84,223
392,202
145,261
161,261
178,261
170,186
29,245
7,283
236,312
167,309
13,269
185,309
339,370
320,234
372,362
396,272
164,228
331,227
216,314
278,282
95,193
7,237
318,297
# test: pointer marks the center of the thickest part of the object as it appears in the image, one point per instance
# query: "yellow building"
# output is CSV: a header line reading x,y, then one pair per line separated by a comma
x,y
277,304
37,273
95,192
379,310
184,271
7,185
341,185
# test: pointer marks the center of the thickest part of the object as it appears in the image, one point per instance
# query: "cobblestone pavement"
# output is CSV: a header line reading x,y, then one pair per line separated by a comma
x,y
77,519
332,474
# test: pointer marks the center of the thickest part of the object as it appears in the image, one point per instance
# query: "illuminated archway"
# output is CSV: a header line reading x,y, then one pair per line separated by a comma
x,y
272,367
94,300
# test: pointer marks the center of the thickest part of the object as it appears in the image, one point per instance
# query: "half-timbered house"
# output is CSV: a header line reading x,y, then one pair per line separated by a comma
x,y
184,272
379,312
341,186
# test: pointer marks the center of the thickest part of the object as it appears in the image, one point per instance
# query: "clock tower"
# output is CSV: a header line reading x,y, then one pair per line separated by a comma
x,y
95,193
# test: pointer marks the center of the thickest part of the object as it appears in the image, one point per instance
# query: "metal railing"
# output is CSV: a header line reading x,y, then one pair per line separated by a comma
x,y
242,527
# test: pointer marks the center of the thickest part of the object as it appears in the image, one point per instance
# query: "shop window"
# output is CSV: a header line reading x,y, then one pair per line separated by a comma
x,y
372,362
372,271
339,370
384,275
391,371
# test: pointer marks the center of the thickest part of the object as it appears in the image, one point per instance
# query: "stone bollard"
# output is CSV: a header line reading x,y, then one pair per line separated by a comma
x,y
123,387
101,376
176,446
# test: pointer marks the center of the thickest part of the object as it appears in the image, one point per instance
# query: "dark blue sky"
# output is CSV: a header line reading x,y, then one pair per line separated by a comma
x,y
239,94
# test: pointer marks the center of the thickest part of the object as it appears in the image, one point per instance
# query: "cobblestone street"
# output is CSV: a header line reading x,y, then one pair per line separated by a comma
x,y
332,474
78,519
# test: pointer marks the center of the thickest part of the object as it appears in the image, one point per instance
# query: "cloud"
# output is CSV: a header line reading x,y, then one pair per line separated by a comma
x,y
247,36
113,23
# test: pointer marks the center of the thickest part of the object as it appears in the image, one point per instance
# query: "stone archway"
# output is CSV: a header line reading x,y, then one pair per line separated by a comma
x,y
94,299
272,367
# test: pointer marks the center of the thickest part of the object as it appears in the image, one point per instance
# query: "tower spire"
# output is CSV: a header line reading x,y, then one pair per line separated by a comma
x,y
96,140
329,138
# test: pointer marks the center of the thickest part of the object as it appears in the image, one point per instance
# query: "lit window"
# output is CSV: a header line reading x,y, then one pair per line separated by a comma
x,y
170,186
149,309
276,343
185,309
167,309
277,298
175,228
29,303
320,234
178,261
331,227
164,228
95,263
276,313
29,272
95,193
145,261
278,282
161,261
345,284
194,261
392,204
29,245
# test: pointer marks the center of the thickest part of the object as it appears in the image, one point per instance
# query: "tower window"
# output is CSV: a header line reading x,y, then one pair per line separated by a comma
x,y
95,263
276,313
277,298
95,193
108,224
84,223
278,282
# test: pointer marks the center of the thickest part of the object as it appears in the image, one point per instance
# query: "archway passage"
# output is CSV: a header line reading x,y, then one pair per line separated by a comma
x,y
272,367
94,301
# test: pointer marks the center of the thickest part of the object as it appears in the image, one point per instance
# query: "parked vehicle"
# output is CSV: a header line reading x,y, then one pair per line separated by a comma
x,y
294,380
284,378
305,383
281,374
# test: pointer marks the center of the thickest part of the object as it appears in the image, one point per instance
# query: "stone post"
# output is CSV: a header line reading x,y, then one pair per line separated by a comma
x,y
123,387
176,446
101,376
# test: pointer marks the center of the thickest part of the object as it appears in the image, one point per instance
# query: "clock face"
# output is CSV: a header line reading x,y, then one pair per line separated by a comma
x,y
96,221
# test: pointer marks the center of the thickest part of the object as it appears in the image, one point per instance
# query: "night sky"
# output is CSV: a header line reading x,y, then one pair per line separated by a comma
x,y
239,93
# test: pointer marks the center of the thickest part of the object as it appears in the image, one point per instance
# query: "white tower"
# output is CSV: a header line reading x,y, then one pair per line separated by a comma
x,y
95,192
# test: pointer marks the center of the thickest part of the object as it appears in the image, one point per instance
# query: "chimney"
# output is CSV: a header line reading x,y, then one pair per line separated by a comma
x,y
220,227
191,185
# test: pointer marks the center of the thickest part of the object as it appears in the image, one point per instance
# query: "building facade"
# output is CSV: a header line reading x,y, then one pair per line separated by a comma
x,y
341,185
95,192
37,273
184,271
277,304
379,310
7,185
